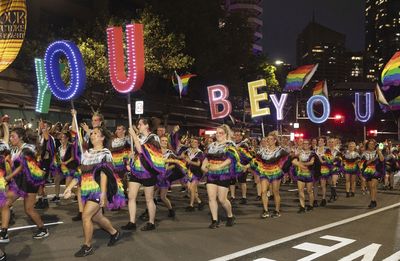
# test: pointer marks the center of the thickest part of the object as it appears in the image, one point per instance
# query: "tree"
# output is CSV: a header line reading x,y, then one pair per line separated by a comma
x,y
270,77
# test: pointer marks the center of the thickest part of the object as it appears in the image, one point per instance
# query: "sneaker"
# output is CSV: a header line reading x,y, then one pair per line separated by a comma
x,y
45,203
243,201
4,237
149,226
183,189
301,210
55,199
372,204
275,214
78,217
230,221
39,204
129,226
144,216
213,225
201,206
41,233
75,199
352,194
189,209
84,251
265,214
323,203
3,257
171,213
258,198
315,203
347,194
309,208
114,238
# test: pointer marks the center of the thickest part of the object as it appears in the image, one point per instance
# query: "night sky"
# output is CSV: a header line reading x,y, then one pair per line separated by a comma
x,y
285,19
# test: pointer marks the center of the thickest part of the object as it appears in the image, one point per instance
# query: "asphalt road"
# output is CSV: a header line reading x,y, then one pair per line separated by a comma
x,y
187,237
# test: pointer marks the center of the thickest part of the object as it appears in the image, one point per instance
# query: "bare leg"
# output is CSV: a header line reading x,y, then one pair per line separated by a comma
x,y
149,195
29,202
212,190
133,189
223,199
300,186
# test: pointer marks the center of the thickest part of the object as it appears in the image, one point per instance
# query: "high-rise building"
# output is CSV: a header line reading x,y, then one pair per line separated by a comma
x,y
322,45
382,34
253,9
354,62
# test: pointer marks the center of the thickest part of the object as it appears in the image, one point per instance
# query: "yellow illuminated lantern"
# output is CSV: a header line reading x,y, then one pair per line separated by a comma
x,y
13,17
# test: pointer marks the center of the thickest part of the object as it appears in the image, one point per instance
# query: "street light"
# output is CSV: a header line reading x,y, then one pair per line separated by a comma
x,y
278,62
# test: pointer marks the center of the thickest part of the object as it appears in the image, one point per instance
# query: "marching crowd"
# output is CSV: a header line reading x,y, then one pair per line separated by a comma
x,y
106,170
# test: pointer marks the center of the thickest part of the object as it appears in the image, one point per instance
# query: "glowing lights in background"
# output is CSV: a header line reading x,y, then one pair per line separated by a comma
x,y
217,96
279,104
326,108
255,98
44,95
70,51
134,78
369,107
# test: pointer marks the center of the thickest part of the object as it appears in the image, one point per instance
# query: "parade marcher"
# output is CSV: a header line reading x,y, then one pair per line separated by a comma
x,y
335,161
194,157
175,170
268,165
120,150
243,148
324,156
100,187
305,168
47,160
392,165
146,165
68,162
218,166
24,181
351,169
373,168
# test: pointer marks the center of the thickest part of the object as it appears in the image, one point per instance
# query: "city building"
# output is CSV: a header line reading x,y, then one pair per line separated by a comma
x,y
382,34
354,62
253,9
322,45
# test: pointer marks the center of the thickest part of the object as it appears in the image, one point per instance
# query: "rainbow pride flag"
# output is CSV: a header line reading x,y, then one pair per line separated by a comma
x,y
298,78
321,88
182,84
391,72
380,98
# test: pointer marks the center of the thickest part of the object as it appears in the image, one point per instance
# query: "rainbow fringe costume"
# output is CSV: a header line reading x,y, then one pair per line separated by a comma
x,y
120,158
152,158
270,169
90,188
3,183
350,166
224,152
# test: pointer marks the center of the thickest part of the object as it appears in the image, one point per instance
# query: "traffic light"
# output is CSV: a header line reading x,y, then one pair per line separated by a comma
x,y
339,118
299,135
373,133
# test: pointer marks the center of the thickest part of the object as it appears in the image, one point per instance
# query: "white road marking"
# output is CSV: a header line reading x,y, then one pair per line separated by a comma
x,y
302,234
31,226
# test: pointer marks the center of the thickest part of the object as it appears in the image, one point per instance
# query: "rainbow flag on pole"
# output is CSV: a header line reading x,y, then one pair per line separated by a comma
x,y
182,84
391,72
298,78
321,88
380,98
